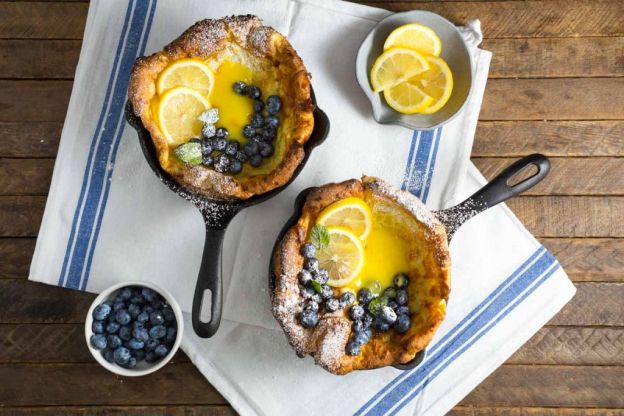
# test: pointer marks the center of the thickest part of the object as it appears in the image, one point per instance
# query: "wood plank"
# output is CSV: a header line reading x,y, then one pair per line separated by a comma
x,y
550,386
556,57
530,411
568,176
589,259
20,216
593,304
91,384
181,410
16,254
572,346
546,18
552,138
25,20
38,58
21,139
25,176
553,99
589,216
38,100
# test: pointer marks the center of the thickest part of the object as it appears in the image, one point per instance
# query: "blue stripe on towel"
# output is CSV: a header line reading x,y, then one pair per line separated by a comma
x,y
421,162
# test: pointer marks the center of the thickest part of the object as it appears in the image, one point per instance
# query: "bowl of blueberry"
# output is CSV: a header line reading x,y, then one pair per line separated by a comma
x,y
134,328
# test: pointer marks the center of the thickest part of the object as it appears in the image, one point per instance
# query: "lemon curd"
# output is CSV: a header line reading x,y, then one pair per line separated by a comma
x,y
234,109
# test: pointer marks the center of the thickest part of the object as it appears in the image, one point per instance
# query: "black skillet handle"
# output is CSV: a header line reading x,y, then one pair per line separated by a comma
x,y
495,192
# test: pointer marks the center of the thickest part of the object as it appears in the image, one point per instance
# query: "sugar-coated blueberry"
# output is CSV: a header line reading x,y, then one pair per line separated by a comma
x,y
347,299
125,332
326,292
321,276
381,325
157,318
255,160
361,337
356,312
236,167
138,354
140,333
113,341
150,344
392,304
316,297
310,304
222,164
249,131
251,148
121,355
332,305
367,320
364,295
253,92
271,121
308,318
97,327
402,324
257,120
273,104
258,106
161,350
232,147
312,265
171,335
268,134
308,250
387,315
142,317
266,149
157,332
403,310
207,146
305,277
112,327
241,156
401,281
207,160
101,312
358,326
239,87
98,341
135,344
306,291
401,297
208,130
108,355
122,317
220,144
353,348
222,132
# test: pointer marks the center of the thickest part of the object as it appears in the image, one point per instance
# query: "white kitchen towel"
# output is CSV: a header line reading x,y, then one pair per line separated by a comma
x,y
108,218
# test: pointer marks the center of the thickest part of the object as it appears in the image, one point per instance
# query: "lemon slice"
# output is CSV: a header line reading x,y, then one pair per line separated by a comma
x,y
414,36
351,213
437,82
395,66
343,257
178,110
186,73
407,98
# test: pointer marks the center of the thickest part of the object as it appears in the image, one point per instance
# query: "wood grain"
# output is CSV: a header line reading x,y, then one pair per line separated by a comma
x,y
530,411
25,176
21,139
552,138
38,59
568,176
593,304
181,410
20,216
16,254
25,20
34,101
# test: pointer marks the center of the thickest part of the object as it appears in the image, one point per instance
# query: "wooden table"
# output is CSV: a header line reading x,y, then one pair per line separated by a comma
x,y
556,87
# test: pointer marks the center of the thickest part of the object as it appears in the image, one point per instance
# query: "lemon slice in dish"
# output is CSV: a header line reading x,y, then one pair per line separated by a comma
x,y
437,82
190,73
395,66
407,98
352,213
414,36
178,110
342,257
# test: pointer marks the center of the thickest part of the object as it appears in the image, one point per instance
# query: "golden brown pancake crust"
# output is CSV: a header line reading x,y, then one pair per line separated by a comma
x,y
429,283
268,49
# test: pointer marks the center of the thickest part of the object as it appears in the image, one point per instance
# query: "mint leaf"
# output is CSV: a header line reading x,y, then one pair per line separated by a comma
x,y
319,236
316,286
190,153
374,306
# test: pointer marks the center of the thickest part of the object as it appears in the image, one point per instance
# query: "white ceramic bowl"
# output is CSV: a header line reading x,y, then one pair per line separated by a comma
x,y
143,367
454,52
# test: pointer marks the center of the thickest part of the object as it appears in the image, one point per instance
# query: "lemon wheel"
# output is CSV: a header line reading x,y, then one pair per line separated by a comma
x,y
414,36
178,110
395,66
190,73
352,213
437,82
343,257
407,98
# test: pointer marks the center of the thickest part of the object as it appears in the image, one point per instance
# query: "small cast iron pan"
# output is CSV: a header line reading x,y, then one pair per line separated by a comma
x,y
501,188
217,215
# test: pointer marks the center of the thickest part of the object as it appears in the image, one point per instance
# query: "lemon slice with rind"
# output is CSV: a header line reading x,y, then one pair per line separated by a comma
x,y
190,73
395,66
352,213
415,36
178,110
342,257
407,98
436,82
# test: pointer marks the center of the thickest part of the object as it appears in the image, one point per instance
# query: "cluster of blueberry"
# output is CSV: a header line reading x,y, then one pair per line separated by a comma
x,y
138,324
314,289
380,313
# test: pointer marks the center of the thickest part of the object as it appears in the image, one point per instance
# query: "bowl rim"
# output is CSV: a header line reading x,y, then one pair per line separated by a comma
x,y
364,83
114,368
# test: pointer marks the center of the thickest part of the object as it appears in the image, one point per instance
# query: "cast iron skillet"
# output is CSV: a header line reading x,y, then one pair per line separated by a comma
x,y
217,215
496,191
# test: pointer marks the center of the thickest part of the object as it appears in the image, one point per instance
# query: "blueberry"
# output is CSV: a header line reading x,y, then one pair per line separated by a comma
x,y
232,148
132,362
258,106
253,92
139,325
121,355
236,166
239,87
113,341
249,131
118,306
255,160
358,326
108,355
273,104
241,156
326,292
161,350
207,160
308,318
148,309
134,310
402,324
98,341
271,121
168,314
387,315
139,355
268,134
142,317
157,332
220,144
393,305
305,277
125,333
321,276
171,335
222,132
266,149
150,344
101,312
157,318
122,317
356,312
390,293
381,325
401,297
353,348
403,310
251,148
367,320
311,305
361,337
151,357
222,164
125,293
401,281
257,120
332,305
207,147
135,344
364,295
316,297
137,299
140,334
311,265
97,327
307,292
308,250
347,299
112,327
208,130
